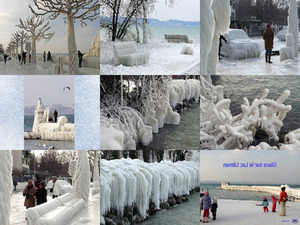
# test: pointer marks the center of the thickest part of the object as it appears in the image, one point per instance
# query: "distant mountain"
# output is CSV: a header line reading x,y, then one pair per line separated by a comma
x,y
58,107
157,22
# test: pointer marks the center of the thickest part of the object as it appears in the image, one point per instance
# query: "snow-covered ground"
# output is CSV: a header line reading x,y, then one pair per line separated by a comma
x,y
44,68
90,215
258,66
165,59
247,213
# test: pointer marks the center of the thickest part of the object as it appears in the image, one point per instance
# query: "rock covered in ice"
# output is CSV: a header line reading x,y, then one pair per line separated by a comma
x,y
6,164
220,130
125,182
187,50
262,146
291,141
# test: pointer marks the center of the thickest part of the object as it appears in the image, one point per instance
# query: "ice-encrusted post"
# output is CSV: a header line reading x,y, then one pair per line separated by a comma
x,y
222,13
81,187
207,26
5,185
96,177
293,24
38,116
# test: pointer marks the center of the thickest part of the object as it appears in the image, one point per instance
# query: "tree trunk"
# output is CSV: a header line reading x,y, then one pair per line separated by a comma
x,y
145,27
138,39
72,48
33,49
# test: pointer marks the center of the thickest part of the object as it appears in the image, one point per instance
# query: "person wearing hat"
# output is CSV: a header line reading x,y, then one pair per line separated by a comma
x,y
205,204
274,201
268,36
282,201
28,193
265,204
214,207
41,194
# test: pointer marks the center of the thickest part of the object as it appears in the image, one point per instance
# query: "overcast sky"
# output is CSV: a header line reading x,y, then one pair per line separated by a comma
x,y
12,10
187,10
286,172
49,88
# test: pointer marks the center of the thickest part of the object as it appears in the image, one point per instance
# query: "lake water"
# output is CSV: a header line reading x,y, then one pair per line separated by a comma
x,y
38,144
183,214
238,87
238,195
184,136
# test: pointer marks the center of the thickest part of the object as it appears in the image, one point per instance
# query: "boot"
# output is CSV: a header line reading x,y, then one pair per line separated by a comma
x,y
266,57
270,59
206,221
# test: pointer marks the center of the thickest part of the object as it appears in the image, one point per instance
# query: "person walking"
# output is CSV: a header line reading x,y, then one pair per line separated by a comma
x,y
268,36
282,201
41,194
44,55
53,188
19,58
28,193
23,58
55,114
5,58
80,56
15,183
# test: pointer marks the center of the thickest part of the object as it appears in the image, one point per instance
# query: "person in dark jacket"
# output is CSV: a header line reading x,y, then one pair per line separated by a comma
x,y
15,183
41,194
220,44
24,57
205,204
55,113
49,56
44,55
5,58
214,207
19,58
80,56
268,36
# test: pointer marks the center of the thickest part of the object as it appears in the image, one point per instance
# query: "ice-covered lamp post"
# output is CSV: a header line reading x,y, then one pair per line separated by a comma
x,y
5,185
81,187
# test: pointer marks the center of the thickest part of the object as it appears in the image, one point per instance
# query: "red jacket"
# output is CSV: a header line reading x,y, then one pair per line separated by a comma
x,y
282,194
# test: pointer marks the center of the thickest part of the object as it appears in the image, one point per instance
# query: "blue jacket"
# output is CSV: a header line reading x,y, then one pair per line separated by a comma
x,y
265,203
205,202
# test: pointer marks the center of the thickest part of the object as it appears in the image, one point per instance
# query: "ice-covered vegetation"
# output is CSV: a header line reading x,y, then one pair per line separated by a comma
x,y
144,106
220,130
128,182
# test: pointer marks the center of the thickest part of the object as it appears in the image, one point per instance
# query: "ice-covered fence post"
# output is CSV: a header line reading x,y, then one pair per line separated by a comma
x,y
96,171
222,13
82,177
207,26
5,185
293,24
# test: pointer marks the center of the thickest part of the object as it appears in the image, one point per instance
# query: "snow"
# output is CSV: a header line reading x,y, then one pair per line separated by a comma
x,y
247,213
126,181
87,120
12,112
288,52
165,59
6,164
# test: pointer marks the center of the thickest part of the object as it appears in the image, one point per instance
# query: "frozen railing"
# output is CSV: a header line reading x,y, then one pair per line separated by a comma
x,y
178,38
59,211
126,53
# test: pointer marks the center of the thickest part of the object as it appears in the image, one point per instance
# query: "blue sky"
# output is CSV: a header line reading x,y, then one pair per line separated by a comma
x,y
286,172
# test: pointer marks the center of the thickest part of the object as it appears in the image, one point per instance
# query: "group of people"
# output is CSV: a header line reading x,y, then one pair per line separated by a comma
x,y
36,194
207,204
282,201
55,114
22,57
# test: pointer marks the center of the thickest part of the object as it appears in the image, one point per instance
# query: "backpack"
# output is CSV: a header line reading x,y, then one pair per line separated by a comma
x,y
284,199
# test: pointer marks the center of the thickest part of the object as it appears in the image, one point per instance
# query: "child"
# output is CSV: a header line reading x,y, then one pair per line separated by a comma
x,y
214,207
274,201
205,204
265,204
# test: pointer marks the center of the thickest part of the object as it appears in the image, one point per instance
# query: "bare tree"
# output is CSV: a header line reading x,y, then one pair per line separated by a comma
x,y
23,36
16,40
85,10
38,30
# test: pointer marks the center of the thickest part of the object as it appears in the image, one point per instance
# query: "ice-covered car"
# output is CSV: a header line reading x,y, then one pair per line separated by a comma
x,y
63,187
239,45
281,35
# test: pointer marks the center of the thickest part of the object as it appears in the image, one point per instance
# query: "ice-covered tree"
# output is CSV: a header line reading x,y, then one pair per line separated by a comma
x,y
6,185
84,10
81,183
23,37
38,29
96,177
293,24
145,26
16,40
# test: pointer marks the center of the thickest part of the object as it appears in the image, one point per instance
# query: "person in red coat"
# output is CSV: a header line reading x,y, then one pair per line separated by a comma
x,y
268,36
282,201
274,201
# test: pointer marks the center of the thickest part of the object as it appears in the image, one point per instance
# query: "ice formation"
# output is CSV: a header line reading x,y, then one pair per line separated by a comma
x,y
288,52
126,182
293,24
59,211
81,181
91,59
42,129
220,130
222,12
292,193
207,27
127,126
6,164
96,178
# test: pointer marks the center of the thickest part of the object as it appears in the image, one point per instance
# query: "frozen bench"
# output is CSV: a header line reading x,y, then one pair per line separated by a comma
x,y
125,53
59,211
178,38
